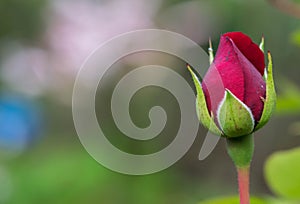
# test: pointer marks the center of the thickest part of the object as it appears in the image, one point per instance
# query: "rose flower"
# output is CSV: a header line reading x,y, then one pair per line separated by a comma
x,y
236,96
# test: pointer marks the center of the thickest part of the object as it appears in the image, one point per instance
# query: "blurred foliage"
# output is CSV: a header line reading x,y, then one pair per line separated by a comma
x,y
294,128
288,101
235,200
282,173
21,19
71,176
295,37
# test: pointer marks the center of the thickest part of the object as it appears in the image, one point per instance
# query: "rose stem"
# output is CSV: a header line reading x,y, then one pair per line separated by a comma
x,y
243,180
240,149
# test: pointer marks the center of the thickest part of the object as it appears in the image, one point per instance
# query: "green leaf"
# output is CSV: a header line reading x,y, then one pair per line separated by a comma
x,y
234,117
270,101
233,200
202,111
282,173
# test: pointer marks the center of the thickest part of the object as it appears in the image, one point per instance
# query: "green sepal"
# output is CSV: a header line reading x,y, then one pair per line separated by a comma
x,y
270,100
262,44
234,117
241,149
201,107
210,52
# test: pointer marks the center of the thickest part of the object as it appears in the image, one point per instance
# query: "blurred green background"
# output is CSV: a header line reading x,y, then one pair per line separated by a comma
x,y
44,42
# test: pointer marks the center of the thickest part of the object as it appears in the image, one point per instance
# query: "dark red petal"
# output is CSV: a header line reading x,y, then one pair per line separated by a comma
x,y
225,72
255,86
249,49
233,71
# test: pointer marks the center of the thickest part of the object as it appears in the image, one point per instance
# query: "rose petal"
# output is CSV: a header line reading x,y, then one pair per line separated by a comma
x,y
249,49
224,72
254,87
233,71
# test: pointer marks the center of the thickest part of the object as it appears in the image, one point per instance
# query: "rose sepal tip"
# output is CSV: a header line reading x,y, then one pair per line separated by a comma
x,y
203,114
270,100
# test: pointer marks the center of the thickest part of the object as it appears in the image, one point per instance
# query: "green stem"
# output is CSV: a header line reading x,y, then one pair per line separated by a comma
x,y
240,149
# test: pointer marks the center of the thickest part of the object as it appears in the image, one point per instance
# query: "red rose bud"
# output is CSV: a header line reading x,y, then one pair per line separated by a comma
x,y
237,94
